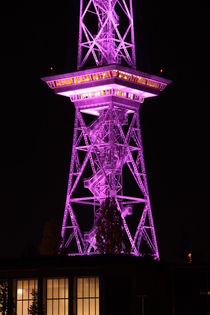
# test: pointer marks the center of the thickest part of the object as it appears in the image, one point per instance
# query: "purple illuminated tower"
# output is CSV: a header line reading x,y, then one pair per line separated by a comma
x,y
107,155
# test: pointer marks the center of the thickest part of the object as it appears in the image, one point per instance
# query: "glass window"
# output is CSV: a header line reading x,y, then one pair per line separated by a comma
x,y
87,299
27,295
57,296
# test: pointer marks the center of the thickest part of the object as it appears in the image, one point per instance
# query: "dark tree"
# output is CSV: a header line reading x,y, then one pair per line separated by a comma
x,y
109,229
3,297
33,309
51,238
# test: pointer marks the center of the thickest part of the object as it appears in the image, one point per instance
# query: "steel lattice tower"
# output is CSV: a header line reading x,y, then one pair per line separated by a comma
x,y
107,153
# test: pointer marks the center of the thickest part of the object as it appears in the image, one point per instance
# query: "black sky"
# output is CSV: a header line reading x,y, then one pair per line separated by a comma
x,y
36,125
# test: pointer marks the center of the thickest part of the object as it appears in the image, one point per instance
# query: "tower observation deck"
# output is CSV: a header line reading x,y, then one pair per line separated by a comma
x,y
107,155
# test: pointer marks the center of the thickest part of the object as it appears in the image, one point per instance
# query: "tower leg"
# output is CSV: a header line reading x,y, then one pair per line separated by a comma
x,y
70,228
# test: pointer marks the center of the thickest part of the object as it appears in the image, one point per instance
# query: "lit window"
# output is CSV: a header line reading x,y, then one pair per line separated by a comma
x,y
57,296
142,80
57,83
87,300
68,80
135,78
26,295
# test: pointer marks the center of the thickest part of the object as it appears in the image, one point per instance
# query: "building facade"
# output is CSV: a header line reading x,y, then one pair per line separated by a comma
x,y
105,285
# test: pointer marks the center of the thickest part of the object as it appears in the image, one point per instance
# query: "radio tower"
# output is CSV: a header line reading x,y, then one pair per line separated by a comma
x,y
107,155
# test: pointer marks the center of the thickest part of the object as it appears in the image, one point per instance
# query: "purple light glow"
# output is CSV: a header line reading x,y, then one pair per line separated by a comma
x,y
107,44
111,95
107,150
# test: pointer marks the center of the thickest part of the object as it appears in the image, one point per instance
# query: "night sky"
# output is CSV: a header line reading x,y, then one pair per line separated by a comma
x,y
37,126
